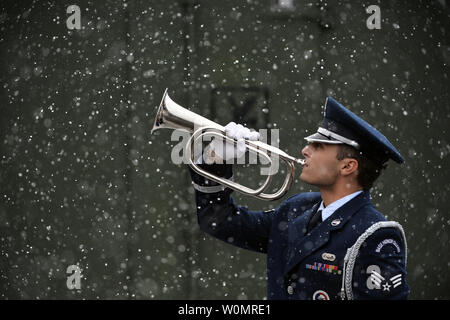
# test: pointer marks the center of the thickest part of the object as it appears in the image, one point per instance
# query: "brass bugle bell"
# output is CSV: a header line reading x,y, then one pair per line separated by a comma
x,y
171,115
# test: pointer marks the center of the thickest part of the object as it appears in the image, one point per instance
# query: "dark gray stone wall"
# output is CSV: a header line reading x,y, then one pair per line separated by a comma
x,y
84,183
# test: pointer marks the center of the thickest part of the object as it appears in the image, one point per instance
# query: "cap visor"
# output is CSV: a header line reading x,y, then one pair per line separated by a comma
x,y
318,137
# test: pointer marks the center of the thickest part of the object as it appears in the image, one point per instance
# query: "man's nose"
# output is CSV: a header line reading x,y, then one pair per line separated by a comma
x,y
305,151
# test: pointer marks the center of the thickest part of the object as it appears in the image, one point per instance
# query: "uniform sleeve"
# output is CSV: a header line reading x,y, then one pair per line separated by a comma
x,y
380,268
219,216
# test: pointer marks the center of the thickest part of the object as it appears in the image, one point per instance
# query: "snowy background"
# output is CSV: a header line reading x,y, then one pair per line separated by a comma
x,y
82,181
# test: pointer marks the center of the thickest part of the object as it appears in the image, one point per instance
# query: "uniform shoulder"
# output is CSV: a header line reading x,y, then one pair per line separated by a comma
x,y
366,217
386,239
369,216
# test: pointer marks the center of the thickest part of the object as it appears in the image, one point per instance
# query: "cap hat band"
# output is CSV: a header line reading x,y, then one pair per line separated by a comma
x,y
338,137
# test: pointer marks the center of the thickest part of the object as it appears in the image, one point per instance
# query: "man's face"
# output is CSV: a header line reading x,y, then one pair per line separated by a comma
x,y
322,166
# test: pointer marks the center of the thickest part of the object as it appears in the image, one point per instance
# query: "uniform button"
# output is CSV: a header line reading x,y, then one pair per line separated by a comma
x,y
290,290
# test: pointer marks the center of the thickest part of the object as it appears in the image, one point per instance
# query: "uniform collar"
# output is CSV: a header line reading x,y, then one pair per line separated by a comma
x,y
332,207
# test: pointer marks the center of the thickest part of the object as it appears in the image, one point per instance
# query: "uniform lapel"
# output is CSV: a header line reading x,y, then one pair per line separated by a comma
x,y
298,229
302,245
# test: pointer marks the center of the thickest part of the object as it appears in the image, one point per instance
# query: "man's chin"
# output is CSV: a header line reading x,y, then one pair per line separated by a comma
x,y
310,182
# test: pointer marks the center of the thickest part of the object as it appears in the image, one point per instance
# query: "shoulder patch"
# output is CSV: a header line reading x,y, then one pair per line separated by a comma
x,y
387,242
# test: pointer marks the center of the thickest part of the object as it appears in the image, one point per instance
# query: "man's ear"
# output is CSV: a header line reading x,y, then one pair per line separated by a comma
x,y
348,166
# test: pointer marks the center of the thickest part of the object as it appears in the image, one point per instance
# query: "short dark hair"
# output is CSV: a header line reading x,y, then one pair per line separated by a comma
x,y
368,169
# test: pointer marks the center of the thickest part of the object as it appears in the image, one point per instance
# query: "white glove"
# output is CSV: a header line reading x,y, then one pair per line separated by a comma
x,y
215,152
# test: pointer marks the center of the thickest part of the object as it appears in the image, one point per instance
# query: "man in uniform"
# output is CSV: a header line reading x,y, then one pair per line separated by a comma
x,y
306,238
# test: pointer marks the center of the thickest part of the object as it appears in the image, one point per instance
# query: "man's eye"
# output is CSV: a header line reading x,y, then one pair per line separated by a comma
x,y
316,145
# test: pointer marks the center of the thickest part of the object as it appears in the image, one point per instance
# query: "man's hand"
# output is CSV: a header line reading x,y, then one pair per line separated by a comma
x,y
217,151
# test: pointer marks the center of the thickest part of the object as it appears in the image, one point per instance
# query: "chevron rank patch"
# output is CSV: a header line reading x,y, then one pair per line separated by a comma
x,y
376,281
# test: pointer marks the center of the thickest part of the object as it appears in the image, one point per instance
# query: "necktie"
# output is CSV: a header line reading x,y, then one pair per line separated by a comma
x,y
315,220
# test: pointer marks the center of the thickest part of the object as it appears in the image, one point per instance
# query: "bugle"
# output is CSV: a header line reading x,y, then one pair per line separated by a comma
x,y
171,115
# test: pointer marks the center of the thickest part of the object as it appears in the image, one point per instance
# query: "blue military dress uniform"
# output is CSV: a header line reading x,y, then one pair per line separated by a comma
x,y
308,264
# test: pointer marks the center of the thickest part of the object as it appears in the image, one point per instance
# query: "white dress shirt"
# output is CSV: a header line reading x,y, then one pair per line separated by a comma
x,y
332,207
